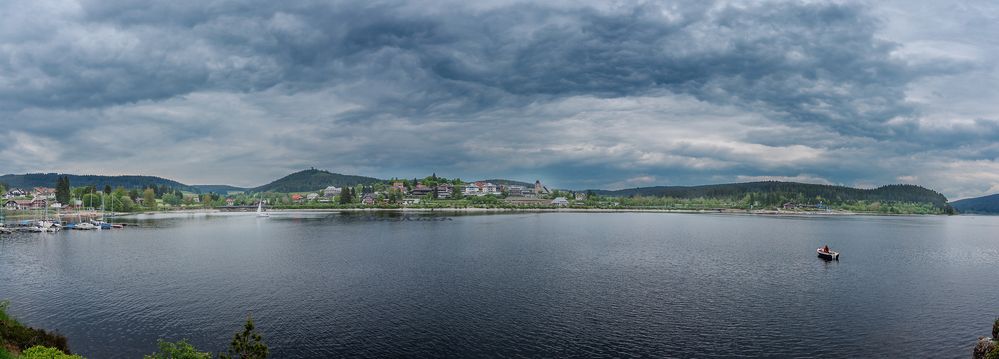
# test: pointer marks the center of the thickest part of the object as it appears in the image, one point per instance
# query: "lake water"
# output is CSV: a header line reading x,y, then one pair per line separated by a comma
x,y
516,285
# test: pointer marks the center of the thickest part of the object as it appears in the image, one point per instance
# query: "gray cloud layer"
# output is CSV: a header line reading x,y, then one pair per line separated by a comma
x,y
584,95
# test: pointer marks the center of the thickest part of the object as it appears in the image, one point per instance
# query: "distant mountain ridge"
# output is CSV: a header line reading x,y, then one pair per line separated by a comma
x,y
313,180
888,193
507,182
980,205
218,188
31,180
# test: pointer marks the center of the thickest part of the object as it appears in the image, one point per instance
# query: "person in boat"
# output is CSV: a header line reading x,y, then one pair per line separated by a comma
x,y
825,248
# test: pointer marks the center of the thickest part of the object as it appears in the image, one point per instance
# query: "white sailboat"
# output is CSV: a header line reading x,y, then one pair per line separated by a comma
x,y
260,208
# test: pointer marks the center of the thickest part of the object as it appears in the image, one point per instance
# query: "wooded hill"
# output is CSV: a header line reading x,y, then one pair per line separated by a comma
x,y
31,180
982,205
313,180
775,193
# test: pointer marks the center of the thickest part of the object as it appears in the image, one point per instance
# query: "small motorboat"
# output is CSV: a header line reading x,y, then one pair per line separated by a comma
x,y
827,254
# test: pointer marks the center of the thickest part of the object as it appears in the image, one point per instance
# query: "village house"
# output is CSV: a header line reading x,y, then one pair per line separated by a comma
x,y
297,198
480,189
515,190
312,196
39,202
399,186
15,192
444,191
421,190
332,191
230,201
580,196
560,202
16,204
368,199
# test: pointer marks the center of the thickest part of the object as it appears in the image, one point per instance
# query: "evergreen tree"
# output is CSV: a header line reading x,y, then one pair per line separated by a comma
x,y
107,189
62,190
248,344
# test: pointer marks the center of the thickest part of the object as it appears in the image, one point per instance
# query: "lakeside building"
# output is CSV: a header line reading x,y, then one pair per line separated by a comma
x,y
297,198
444,191
480,189
421,190
399,186
560,201
312,196
515,190
580,196
15,193
230,201
368,199
332,191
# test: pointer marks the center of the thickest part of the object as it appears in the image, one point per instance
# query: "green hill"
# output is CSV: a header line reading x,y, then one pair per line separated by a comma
x,y
217,188
30,180
982,205
774,193
508,182
313,180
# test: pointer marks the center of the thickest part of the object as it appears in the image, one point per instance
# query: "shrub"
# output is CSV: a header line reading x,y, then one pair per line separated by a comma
x,y
178,350
40,352
14,333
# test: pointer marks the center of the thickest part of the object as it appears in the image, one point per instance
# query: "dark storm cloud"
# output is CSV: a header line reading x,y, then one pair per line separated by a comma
x,y
586,94
807,62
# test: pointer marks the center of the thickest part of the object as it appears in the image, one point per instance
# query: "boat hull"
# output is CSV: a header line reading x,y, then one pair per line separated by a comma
x,y
827,255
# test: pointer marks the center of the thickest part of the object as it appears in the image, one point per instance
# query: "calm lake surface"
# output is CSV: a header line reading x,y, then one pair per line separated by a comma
x,y
516,285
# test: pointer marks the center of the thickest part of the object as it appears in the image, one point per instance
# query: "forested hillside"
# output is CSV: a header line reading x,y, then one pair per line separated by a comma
x,y
774,193
312,180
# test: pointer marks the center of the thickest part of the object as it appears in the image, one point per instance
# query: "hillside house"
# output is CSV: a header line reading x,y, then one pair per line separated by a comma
x,y
444,191
421,190
515,190
332,191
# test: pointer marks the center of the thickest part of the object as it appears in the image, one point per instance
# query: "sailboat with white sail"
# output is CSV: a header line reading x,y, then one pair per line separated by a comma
x,y
260,208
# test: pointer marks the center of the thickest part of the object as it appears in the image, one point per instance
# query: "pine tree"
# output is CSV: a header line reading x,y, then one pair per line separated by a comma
x,y
62,190
248,344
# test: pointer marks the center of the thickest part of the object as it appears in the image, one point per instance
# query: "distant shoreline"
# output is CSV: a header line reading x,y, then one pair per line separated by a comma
x,y
545,210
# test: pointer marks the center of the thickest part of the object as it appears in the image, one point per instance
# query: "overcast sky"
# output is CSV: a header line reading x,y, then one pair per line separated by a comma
x,y
600,95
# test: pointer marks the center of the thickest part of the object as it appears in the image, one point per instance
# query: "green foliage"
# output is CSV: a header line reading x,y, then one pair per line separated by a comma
x,y
178,350
773,193
63,190
47,179
995,329
126,204
41,352
16,334
248,344
987,204
171,199
149,198
4,354
313,180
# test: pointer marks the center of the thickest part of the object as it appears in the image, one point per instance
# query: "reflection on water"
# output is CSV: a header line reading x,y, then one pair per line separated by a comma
x,y
523,284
